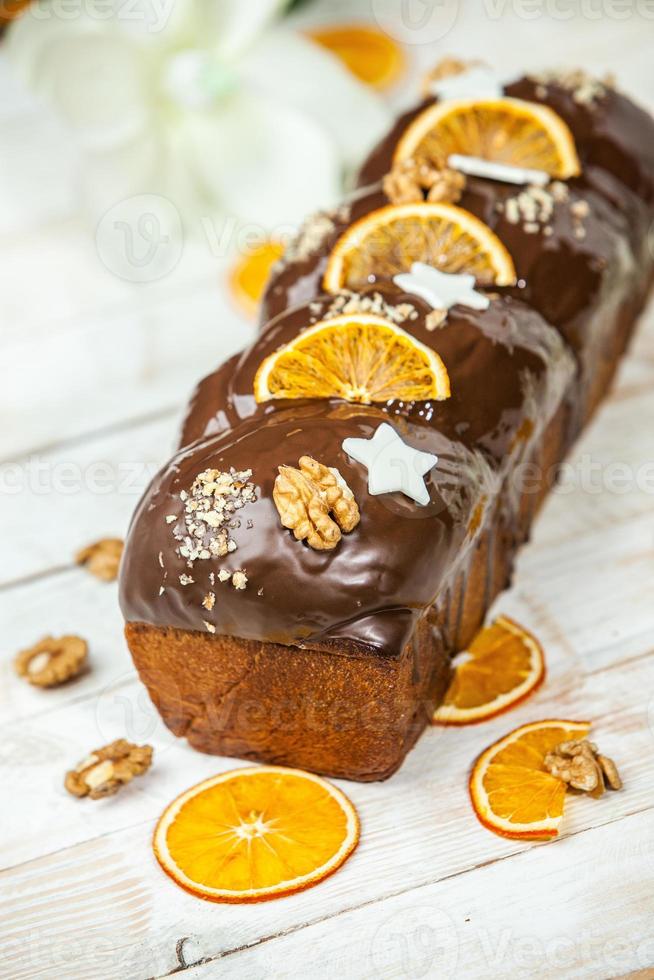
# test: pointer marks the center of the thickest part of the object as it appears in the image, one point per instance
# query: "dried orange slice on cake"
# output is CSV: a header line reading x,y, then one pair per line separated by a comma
x,y
250,273
503,665
254,834
358,357
389,240
512,792
505,130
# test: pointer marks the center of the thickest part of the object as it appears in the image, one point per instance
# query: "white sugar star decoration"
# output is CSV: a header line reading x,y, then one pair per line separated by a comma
x,y
475,83
441,289
391,464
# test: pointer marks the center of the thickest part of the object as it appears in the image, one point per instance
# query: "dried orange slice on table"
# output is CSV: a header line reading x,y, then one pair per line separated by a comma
x,y
512,792
254,834
510,131
387,241
503,665
369,54
357,357
10,9
250,273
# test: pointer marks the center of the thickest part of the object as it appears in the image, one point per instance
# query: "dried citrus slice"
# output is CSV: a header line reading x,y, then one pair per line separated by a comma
x,y
249,275
502,666
253,834
10,9
390,239
512,131
357,357
369,54
512,792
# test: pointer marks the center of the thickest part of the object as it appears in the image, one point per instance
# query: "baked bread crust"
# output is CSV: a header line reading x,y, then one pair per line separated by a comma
x,y
332,711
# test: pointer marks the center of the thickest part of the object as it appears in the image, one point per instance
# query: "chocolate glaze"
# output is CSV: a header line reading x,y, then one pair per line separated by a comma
x,y
615,143
578,284
507,370
559,274
371,589
611,134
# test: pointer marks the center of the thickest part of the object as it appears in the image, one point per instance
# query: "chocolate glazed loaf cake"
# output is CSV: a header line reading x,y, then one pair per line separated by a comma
x,y
307,615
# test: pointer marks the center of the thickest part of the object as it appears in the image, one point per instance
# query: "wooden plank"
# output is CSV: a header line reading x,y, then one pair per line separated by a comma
x,y
590,592
418,828
55,502
107,361
591,918
71,602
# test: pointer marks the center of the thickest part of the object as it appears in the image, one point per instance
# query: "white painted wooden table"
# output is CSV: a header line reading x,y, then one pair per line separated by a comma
x,y
429,892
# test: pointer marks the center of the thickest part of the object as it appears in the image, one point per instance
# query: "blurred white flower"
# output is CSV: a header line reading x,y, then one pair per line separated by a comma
x,y
214,104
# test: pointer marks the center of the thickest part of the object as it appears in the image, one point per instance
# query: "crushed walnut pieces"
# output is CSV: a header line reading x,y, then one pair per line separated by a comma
x,y
349,302
579,764
52,661
585,89
447,185
578,211
435,319
410,180
102,558
105,770
533,208
210,513
313,232
307,497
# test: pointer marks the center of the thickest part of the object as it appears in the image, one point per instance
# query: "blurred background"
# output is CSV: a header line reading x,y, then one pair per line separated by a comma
x,y
155,155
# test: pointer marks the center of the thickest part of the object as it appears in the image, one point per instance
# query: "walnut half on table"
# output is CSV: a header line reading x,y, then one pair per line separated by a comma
x,y
106,770
52,661
102,558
